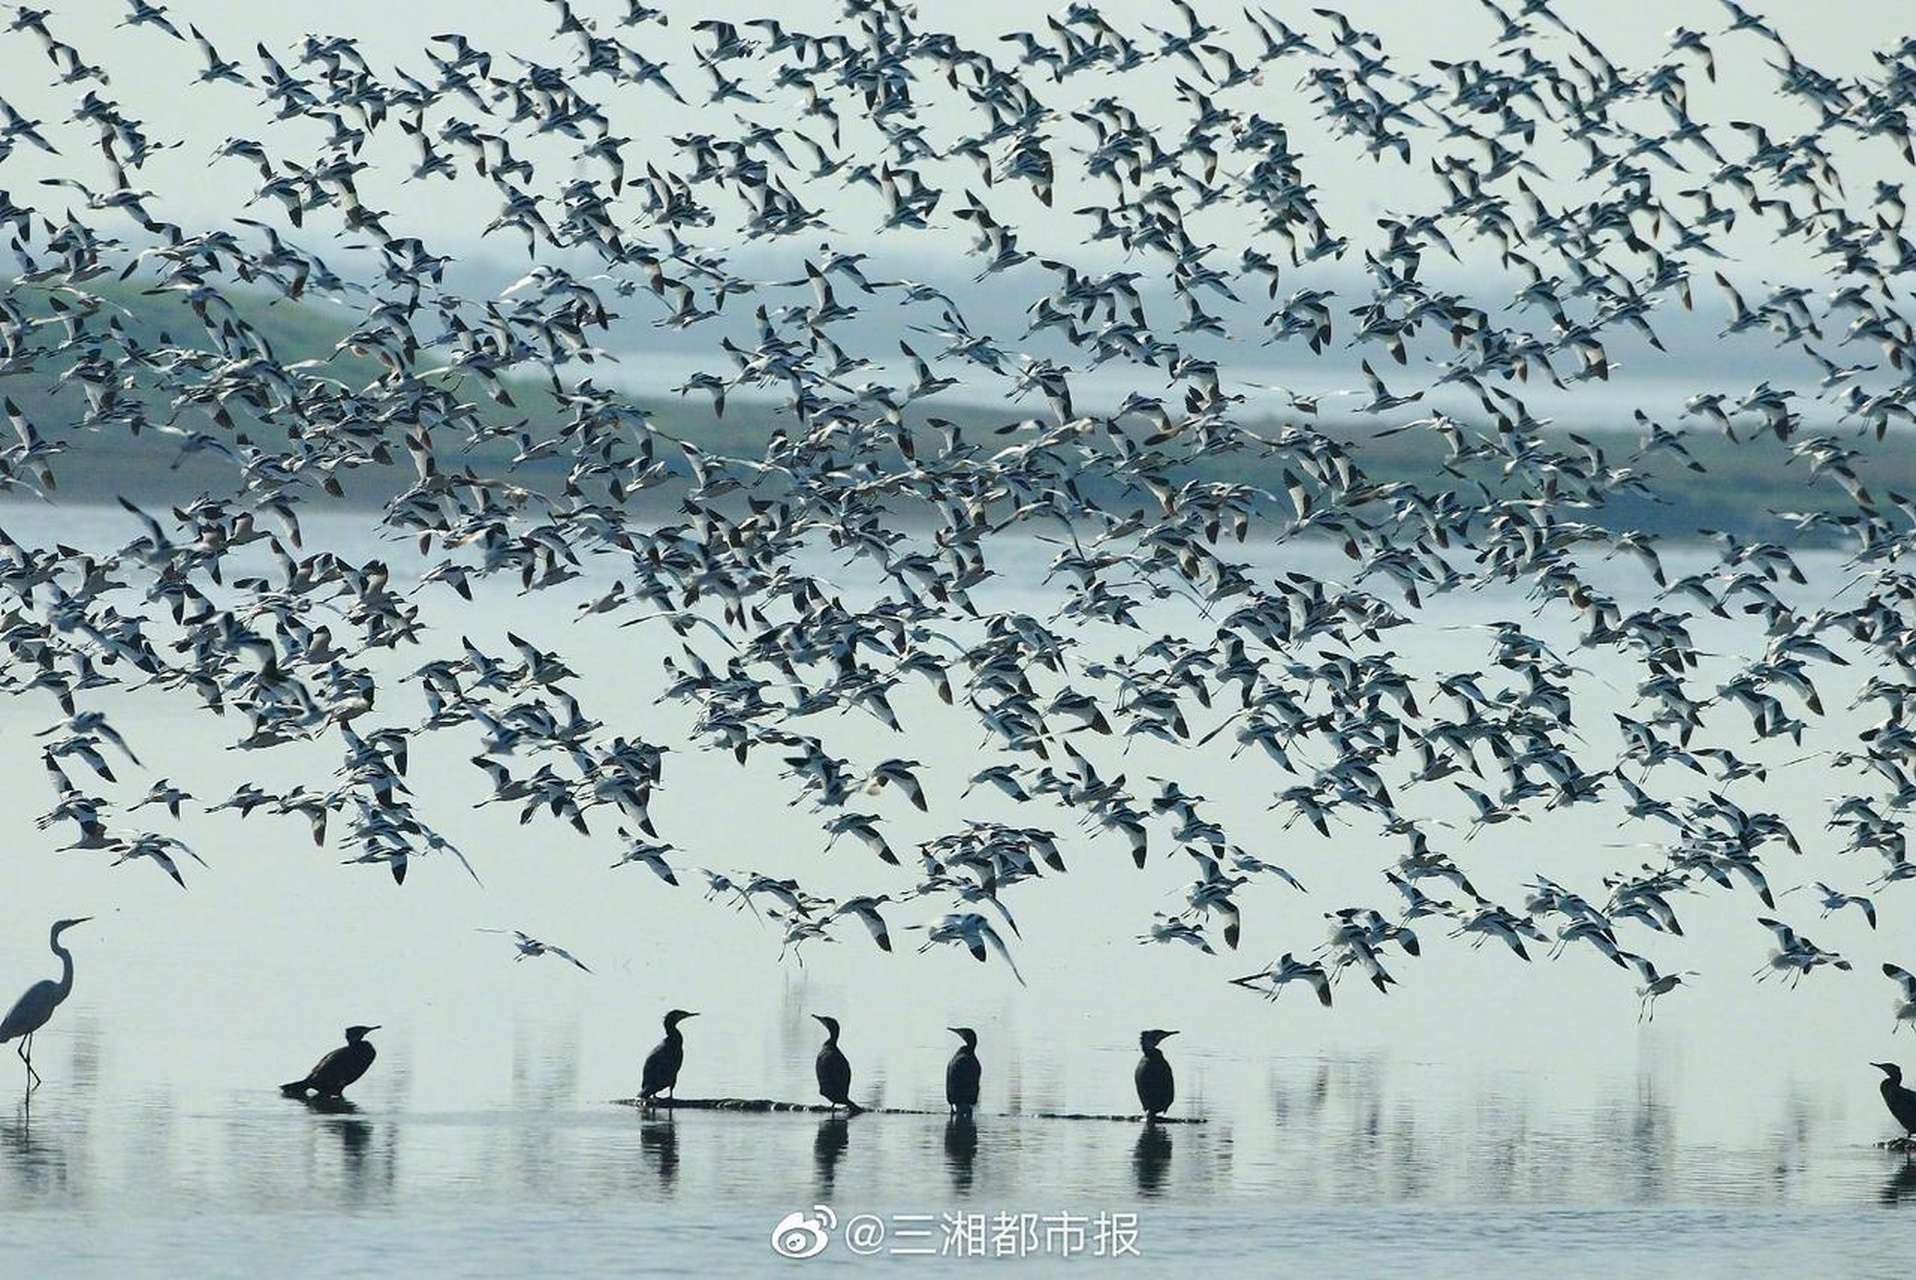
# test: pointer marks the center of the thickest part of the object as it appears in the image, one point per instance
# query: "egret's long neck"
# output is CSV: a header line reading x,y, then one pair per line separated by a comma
x,y
66,967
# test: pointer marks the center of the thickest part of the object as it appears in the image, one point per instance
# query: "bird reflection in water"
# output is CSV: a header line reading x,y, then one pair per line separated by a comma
x,y
659,1141
961,1151
1151,1159
365,1169
355,1147
828,1148
1901,1187
32,1164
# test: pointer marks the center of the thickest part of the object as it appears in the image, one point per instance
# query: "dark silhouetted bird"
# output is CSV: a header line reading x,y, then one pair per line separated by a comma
x,y
31,1011
661,1073
1157,1087
834,1068
332,1073
1900,1101
962,1073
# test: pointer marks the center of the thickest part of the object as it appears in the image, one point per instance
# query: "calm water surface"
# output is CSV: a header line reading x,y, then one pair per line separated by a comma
x,y
1485,1109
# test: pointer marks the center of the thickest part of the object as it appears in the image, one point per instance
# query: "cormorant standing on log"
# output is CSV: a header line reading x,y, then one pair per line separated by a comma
x,y
962,1074
834,1068
1157,1088
661,1072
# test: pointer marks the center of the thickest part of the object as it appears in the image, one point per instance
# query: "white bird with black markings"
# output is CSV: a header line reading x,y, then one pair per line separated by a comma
x,y
529,947
1905,994
973,932
1285,970
865,908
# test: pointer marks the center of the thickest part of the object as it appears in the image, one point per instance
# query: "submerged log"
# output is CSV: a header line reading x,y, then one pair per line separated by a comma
x,y
1132,1118
761,1105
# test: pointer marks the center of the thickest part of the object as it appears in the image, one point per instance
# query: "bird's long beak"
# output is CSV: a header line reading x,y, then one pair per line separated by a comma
x,y
81,920
691,1015
1167,1035
1883,1066
371,1029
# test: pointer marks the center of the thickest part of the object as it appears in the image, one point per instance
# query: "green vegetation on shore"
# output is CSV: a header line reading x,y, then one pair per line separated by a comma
x,y
1741,484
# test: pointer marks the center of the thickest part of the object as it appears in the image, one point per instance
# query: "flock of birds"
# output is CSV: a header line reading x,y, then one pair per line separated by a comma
x,y
1582,193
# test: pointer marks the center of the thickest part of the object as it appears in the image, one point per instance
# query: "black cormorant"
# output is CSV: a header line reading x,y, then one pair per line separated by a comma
x,y
962,1073
1900,1101
834,1068
661,1073
1156,1086
332,1073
